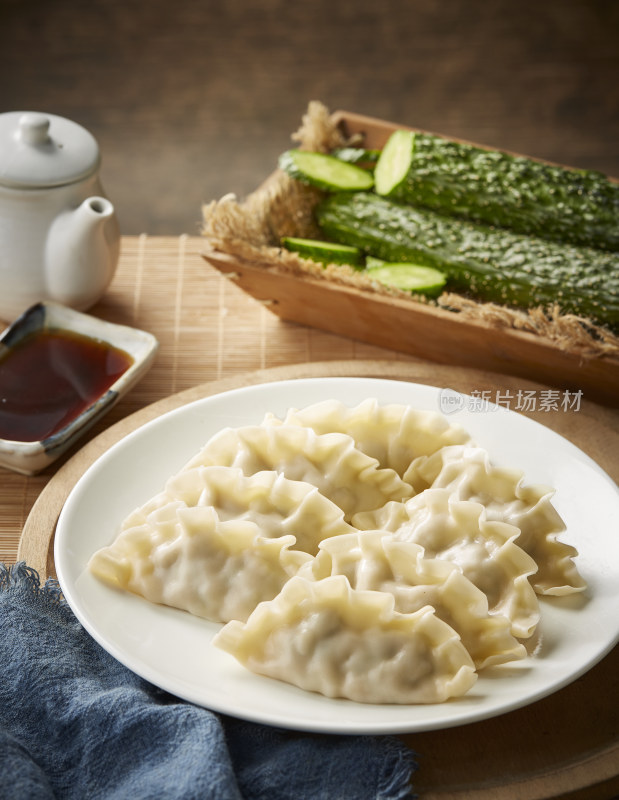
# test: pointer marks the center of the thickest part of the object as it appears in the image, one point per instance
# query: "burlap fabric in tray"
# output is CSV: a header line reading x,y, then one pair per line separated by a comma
x,y
251,230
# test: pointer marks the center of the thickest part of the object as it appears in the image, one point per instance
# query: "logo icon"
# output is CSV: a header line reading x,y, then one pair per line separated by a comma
x,y
450,401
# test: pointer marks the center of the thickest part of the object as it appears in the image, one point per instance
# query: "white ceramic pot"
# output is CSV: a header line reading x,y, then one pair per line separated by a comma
x,y
59,236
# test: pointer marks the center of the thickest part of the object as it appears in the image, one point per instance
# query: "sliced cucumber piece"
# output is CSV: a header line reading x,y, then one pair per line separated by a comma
x,y
409,277
325,171
323,252
394,163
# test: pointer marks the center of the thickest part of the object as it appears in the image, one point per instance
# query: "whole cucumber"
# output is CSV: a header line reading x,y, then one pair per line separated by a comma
x,y
496,188
488,264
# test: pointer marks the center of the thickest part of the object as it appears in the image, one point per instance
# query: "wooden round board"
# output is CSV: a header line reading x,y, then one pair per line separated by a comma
x,y
565,744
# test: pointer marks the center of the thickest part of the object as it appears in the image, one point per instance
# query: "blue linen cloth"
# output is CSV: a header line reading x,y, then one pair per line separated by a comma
x,y
77,724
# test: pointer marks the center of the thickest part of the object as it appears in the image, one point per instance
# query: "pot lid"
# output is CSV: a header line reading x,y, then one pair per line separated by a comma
x,y
42,150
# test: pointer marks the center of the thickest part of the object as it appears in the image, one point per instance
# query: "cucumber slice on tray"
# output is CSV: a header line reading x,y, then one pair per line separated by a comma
x,y
324,252
325,172
405,276
408,277
394,163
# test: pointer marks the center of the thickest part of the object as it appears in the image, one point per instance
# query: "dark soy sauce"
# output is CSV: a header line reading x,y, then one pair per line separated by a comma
x,y
50,377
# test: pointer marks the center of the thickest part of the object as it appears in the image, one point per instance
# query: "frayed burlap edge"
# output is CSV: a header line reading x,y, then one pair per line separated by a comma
x,y
251,230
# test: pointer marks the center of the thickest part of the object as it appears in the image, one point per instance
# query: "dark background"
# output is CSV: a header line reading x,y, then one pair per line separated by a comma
x,y
190,100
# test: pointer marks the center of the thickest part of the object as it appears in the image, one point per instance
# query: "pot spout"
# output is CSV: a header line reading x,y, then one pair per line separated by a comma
x,y
81,253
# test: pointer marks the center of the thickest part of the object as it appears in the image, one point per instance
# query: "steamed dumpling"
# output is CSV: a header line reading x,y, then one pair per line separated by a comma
x,y
277,505
468,474
377,561
189,559
325,637
485,552
392,434
349,478
256,531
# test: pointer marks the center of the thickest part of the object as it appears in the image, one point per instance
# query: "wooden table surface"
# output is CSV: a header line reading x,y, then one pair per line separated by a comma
x,y
210,331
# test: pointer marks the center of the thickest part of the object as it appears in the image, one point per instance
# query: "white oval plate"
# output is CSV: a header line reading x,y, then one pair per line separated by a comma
x,y
173,650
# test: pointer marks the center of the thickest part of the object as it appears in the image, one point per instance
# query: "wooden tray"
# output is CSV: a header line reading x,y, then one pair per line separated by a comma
x,y
414,328
565,744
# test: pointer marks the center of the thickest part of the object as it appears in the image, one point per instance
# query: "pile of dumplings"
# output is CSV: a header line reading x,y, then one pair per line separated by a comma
x,y
372,553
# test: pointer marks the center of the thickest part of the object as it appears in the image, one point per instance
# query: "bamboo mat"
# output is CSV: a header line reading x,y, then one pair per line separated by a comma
x,y
207,328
